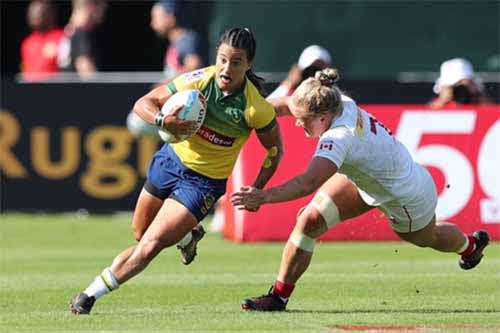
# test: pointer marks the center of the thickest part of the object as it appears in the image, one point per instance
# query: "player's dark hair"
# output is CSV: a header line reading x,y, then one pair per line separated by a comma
x,y
243,38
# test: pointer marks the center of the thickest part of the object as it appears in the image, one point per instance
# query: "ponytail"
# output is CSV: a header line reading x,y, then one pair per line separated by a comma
x,y
320,94
257,81
327,77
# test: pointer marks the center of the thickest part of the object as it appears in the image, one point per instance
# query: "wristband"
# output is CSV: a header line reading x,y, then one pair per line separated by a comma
x,y
159,119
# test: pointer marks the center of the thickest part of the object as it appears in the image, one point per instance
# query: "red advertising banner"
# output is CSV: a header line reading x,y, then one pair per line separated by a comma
x,y
460,147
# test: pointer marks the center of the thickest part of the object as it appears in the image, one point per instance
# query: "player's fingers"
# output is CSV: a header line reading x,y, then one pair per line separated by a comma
x,y
191,124
237,201
237,195
186,124
176,109
245,188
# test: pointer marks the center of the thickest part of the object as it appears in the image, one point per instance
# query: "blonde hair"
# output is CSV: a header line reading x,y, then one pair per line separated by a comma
x,y
319,95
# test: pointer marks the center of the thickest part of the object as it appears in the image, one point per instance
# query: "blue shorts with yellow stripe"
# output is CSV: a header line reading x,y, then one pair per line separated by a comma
x,y
168,177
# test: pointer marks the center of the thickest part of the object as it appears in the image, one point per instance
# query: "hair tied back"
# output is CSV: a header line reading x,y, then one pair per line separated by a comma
x,y
327,77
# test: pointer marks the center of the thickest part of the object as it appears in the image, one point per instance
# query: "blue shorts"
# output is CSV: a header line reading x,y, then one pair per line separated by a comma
x,y
168,177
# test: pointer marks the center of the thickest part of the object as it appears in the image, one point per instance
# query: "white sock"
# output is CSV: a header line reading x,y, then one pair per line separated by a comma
x,y
103,284
465,246
185,241
217,224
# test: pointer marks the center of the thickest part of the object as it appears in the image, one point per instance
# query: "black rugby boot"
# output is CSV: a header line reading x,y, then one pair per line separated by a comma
x,y
470,261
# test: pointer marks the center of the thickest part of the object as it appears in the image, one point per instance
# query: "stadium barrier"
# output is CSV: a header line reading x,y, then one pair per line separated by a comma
x,y
460,147
64,146
65,141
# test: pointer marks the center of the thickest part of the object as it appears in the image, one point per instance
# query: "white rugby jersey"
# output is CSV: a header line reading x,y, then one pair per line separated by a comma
x,y
368,154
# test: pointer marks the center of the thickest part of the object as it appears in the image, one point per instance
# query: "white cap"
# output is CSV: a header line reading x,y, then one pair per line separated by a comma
x,y
313,53
452,71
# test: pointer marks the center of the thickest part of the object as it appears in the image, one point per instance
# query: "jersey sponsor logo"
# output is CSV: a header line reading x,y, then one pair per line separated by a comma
x,y
214,137
194,76
234,113
326,146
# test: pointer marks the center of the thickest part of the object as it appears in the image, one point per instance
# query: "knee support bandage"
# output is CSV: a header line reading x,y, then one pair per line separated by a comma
x,y
327,208
302,241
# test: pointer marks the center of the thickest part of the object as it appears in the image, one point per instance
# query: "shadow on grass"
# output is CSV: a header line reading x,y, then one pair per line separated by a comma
x,y
421,311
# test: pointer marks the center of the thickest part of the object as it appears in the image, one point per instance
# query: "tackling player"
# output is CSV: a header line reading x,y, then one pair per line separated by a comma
x,y
185,179
358,165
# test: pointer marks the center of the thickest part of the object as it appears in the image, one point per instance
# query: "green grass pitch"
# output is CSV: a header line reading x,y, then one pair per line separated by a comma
x,y
46,259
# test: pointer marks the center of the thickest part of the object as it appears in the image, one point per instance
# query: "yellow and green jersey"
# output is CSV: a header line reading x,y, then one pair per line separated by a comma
x,y
230,119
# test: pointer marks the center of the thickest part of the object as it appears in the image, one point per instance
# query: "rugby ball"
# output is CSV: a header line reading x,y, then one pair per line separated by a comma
x,y
195,108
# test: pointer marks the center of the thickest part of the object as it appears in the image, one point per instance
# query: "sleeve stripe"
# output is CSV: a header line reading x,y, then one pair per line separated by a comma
x,y
172,87
267,127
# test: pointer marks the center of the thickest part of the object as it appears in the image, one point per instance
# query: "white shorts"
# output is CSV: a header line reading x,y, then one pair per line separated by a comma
x,y
414,212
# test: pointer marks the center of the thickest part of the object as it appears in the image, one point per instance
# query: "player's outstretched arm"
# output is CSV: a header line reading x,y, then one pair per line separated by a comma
x,y
319,171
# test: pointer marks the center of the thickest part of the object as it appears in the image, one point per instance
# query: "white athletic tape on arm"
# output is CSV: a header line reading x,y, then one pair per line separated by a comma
x,y
302,241
327,208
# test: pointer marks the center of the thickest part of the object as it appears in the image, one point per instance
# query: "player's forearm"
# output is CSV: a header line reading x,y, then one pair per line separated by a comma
x,y
148,106
268,169
146,109
295,188
263,177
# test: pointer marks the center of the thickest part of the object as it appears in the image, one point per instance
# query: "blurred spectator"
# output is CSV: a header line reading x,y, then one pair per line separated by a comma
x,y
313,58
39,49
78,51
183,54
458,84
184,50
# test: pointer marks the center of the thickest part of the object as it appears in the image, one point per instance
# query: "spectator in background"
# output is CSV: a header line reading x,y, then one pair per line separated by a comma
x,y
78,51
183,54
313,58
458,84
39,49
184,50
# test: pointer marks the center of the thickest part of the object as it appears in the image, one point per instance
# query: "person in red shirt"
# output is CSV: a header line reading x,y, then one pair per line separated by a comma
x,y
40,48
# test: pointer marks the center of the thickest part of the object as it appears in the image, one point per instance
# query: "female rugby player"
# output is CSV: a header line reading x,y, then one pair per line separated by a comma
x,y
185,179
358,165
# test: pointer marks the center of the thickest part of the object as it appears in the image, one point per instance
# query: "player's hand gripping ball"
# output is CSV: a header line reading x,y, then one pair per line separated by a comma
x,y
195,108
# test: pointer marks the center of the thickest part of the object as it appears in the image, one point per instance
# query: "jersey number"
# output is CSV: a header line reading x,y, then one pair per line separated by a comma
x,y
373,126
